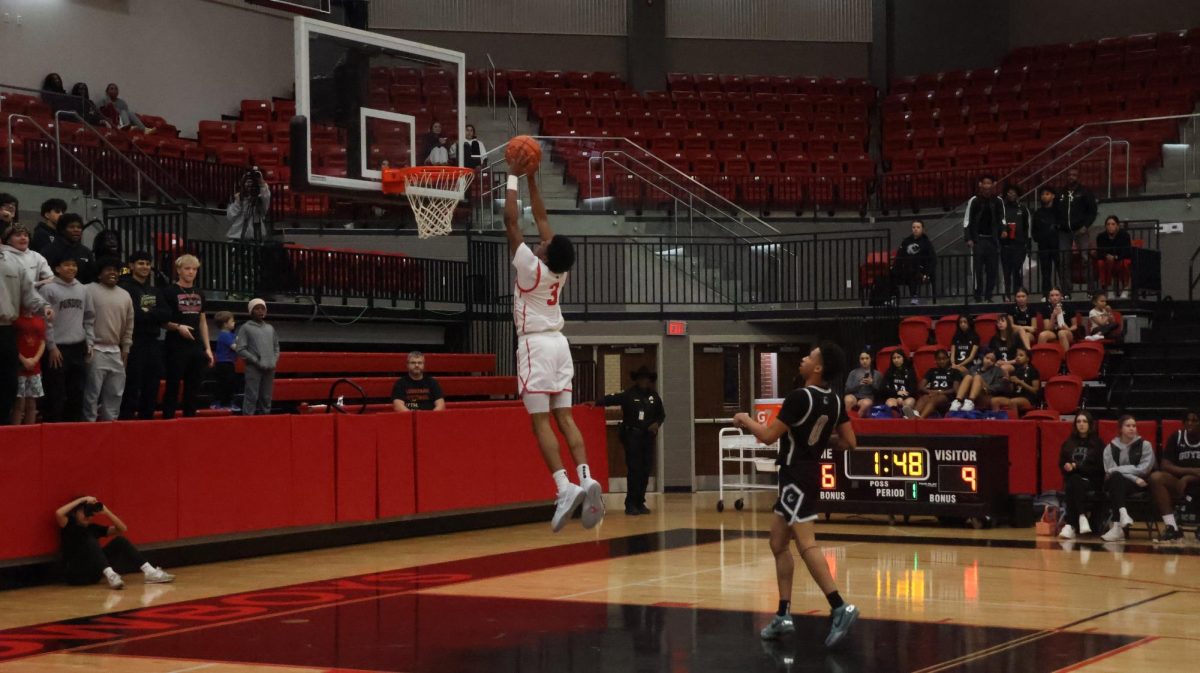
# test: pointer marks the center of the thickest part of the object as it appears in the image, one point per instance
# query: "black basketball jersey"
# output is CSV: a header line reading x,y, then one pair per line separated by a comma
x,y
1023,317
1005,349
811,414
962,345
943,379
1182,452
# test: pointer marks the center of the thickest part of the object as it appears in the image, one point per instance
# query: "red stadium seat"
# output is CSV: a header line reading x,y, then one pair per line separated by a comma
x,y
914,332
985,327
1062,393
883,359
1047,359
944,330
1085,360
256,110
1041,415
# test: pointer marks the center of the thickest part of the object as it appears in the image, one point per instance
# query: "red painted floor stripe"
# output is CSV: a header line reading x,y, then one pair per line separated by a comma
x,y
1108,654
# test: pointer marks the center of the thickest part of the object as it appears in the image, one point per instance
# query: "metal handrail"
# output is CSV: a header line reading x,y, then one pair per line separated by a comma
x,y
1193,279
140,173
44,132
732,206
491,81
512,112
1192,116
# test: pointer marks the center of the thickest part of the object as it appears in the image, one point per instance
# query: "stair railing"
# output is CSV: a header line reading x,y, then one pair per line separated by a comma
x,y
96,179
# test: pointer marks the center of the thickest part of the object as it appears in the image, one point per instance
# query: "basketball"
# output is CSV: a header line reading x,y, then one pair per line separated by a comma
x,y
524,154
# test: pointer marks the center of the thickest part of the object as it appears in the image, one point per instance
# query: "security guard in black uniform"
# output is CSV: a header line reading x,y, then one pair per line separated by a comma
x,y
642,410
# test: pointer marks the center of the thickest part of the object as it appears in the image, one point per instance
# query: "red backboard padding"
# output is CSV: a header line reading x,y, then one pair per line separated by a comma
x,y
357,468
28,527
145,481
313,456
397,463
1054,433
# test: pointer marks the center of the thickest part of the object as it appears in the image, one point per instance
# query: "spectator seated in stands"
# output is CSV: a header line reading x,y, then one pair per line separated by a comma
x,y
938,386
964,354
863,385
899,386
69,243
90,113
1056,327
1083,473
1004,344
117,111
258,344
114,336
70,336
1114,257
1014,240
1025,386
473,149
435,148
85,562
46,232
977,389
16,240
1178,476
914,262
1100,321
415,391
247,211
54,93
1128,461
9,207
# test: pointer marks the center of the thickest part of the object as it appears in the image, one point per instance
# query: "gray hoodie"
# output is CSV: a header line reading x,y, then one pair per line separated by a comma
x,y
258,344
1123,467
74,317
16,289
855,387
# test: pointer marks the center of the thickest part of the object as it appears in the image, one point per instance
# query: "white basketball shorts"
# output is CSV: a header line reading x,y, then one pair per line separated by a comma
x,y
544,371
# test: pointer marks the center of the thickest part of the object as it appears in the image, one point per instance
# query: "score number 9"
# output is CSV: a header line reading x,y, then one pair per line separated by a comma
x,y
968,477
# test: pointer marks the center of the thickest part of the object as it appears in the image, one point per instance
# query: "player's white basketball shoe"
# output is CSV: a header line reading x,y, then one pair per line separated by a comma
x,y
593,503
568,499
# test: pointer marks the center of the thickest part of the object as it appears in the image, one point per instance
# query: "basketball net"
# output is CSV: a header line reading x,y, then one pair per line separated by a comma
x,y
433,192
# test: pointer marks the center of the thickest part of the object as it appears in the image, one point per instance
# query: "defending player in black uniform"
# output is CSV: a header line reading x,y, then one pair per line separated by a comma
x,y
1178,475
810,416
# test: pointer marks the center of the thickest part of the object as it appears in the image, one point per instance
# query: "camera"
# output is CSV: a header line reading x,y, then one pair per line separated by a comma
x,y
92,508
251,183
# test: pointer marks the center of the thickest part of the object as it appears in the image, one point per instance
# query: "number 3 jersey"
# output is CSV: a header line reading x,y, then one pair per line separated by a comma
x,y
535,297
811,414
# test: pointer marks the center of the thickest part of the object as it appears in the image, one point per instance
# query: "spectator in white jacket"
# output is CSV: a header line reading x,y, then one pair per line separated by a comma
x,y
16,241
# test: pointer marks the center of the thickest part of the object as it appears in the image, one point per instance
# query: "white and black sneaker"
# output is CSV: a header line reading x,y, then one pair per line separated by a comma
x,y
1171,534
159,576
1114,534
568,500
593,503
115,581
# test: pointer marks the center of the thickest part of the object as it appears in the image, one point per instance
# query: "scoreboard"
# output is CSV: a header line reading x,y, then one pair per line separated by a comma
x,y
935,475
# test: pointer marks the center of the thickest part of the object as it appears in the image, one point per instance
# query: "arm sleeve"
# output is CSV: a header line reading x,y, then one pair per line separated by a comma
x,y
127,332
243,352
89,319
1146,465
398,390
967,219
1064,455
30,298
161,311
42,271
660,412
45,295
275,338
435,390
614,400
233,211
1110,465
264,199
850,382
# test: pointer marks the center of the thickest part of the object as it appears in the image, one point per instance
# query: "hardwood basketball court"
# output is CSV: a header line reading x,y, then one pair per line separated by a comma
x,y
683,589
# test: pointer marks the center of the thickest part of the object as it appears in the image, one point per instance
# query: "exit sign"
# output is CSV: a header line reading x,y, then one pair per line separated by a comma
x,y
676,328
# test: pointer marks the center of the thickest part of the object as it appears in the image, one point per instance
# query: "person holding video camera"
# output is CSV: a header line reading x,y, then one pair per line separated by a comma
x,y
247,212
85,561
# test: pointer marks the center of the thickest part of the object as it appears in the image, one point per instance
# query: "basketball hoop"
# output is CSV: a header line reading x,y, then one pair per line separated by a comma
x,y
432,191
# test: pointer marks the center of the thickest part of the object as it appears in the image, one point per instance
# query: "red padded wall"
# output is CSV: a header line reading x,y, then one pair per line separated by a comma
x,y
884,426
1167,429
397,463
1053,434
145,483
449,447
357,468
313,493
77,459
28,529
1147,429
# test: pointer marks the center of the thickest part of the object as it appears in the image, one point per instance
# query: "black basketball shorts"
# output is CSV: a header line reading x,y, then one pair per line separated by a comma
x,y
798,487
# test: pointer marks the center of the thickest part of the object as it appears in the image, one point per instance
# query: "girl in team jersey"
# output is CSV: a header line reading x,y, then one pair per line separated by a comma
x,y
900,385
1025,385
1004,344
939,386
964,347
1056,326
1024,318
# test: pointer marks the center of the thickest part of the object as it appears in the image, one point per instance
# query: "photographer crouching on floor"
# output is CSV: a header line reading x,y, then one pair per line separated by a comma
x,y
85,561
247,212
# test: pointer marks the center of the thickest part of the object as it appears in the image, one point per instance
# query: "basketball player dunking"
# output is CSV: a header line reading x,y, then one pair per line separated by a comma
x,y
544,368
813,416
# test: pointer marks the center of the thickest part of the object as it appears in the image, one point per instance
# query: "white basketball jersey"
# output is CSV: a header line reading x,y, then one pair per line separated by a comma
x,y
536,295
